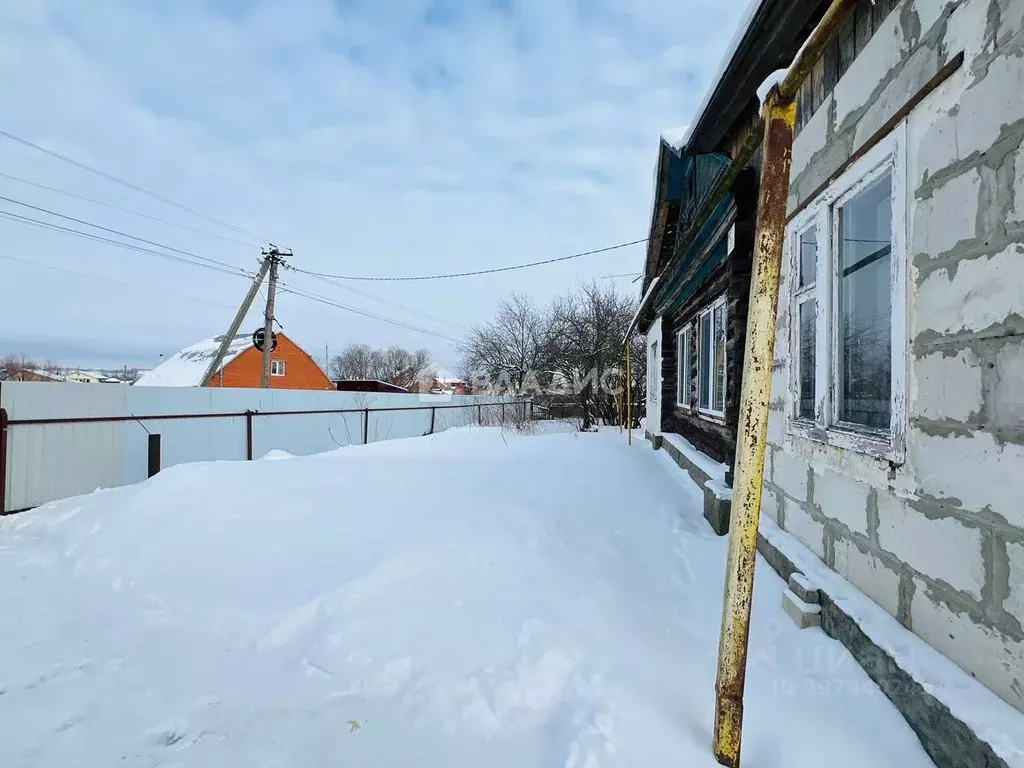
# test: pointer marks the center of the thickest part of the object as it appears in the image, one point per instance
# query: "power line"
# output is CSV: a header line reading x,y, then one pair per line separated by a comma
x,y
103,278
128,246
331,303
125,210
116,232
477,272
381,299
130,185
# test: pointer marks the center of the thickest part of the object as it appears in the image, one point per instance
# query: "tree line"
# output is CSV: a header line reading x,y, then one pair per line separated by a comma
x,y
574,347
395,365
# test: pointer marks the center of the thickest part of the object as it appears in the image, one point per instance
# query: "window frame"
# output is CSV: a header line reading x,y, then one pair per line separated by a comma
x,y
712,384
653,380
277,367
888,156
683,365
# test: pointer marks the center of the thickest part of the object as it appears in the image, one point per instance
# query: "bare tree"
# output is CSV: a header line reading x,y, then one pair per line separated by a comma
x,y
514,351
354,362
12,364
590,328
399,366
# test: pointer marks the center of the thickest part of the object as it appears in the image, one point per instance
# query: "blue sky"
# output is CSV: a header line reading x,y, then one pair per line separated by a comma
x,y
386,137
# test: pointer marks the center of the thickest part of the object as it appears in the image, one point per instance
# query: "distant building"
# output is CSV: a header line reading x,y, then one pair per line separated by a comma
x,y
34,374
85,377
368,385
291,367
440,381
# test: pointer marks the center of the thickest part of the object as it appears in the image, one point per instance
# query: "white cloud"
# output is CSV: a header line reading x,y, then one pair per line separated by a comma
x,y
366,138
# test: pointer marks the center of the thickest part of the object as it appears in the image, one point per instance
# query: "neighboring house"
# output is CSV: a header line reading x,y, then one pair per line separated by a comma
x,y
441,381
896,433
290,366
368,385
84,377
32,374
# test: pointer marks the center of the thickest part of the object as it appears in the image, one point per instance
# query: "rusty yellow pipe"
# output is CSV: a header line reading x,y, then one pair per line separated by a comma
x,y
779,123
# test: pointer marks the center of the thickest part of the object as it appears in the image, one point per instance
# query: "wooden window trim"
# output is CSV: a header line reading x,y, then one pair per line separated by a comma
x,y
710,310
683,367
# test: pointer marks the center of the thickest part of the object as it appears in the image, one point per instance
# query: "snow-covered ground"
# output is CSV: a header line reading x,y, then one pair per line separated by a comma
x,y
475,598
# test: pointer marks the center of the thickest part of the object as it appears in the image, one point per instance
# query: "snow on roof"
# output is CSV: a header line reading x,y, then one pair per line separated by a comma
x,y
186,368
46,374
442,375
676,137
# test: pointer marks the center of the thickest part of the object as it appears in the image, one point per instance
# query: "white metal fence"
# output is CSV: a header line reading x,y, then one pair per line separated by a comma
x,y
59,440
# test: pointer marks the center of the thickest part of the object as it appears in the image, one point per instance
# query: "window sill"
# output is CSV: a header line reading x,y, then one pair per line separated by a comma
x,y
717,418
874,443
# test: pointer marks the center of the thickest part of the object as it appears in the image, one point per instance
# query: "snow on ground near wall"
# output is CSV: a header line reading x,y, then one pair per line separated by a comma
x,y
472,598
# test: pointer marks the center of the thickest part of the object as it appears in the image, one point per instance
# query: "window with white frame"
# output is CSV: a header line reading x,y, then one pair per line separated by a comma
x,y
652,372
847,278
684,377
711,359
277,367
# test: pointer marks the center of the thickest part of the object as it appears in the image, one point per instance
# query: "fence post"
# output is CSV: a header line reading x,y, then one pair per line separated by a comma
x,y
248,435
433,414
366,426
531,410
154,455
3,460
502,411
479,414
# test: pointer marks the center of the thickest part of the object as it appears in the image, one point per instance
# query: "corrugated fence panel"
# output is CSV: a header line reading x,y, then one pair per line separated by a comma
x,y
60,458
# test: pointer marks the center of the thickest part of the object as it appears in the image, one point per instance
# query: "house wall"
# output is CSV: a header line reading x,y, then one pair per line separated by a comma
x,y
937,540
300,371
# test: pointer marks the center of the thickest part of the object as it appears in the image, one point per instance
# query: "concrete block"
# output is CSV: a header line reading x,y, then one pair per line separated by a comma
x,y
932,141
842,498
769,503
776,427
973,471
912,76
717,512
966,30
802,587
868,574
803,614
941,548
1014,603
978,294
884,52
1011,19
656,442
997,661
948,387
805,528
790,474
991,103
811,139
1006,400
928,12
949,216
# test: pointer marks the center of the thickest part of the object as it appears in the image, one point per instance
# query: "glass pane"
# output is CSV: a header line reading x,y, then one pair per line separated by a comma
x,y
805,409
704,367
719,394
865,306
652,372
808,257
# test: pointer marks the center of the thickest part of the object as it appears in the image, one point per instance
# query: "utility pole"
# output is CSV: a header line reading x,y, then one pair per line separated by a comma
x,y
274,258
243,310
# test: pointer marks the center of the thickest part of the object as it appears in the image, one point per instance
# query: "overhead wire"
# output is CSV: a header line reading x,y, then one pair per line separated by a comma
x,y
113,207
226,269
115,232
130,185
105,279
478,271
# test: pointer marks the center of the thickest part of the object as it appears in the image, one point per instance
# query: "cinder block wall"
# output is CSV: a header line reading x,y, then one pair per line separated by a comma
x,y
938,541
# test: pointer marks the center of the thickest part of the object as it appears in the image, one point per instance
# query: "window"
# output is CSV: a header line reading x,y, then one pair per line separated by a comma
x,y
652,373
711,359
277,367
806,310
684,375
847,278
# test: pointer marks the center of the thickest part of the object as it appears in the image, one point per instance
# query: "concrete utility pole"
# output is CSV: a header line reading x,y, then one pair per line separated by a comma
x,y
243,310
274,257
